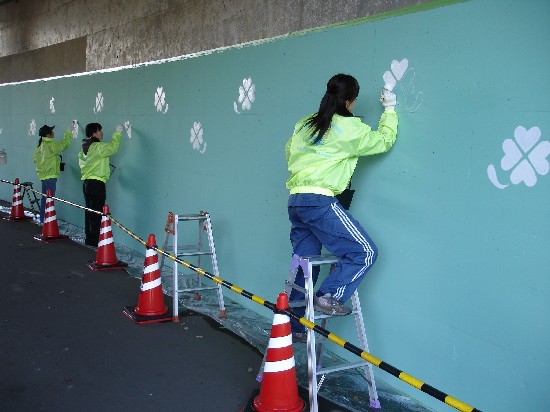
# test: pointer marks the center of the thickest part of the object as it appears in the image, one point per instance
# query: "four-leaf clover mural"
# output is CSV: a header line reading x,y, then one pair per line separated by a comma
x,y
246,95
526,157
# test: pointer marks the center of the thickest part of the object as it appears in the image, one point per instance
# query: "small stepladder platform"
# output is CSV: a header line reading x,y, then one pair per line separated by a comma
x,y
315,368
186,251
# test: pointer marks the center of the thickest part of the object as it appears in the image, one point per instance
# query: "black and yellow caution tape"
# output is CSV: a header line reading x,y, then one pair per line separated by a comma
x,y
392,370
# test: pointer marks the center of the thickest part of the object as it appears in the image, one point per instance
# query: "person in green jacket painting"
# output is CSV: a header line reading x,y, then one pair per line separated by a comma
x,y
47,159
321,155
93,160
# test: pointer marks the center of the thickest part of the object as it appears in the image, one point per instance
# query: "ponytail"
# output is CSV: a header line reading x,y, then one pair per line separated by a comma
x,y
341,88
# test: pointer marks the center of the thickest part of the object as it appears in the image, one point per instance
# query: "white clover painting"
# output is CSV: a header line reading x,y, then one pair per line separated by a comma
x,y
74,129
98,103
526,157
160,100
246,96
196,139
52,105
32,128
402,75
128,128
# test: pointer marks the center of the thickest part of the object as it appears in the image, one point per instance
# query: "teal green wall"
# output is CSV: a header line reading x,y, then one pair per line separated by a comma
x,y
460,295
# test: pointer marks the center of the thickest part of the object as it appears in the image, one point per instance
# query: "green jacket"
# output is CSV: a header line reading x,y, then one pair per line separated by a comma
x,y
326,167
46,156
93,159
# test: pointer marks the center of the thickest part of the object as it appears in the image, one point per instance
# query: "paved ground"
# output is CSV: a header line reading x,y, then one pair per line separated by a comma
x,y
66,345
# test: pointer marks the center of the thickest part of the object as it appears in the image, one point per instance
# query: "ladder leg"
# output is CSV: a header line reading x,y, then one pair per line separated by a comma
x,y
175,283
215,268
307,267
362,335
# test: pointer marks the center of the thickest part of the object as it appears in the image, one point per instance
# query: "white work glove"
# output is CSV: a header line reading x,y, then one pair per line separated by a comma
x,y
388,99
119,128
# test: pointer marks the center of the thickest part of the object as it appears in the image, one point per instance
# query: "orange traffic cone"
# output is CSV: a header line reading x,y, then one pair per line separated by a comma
x,y
150,307
50,230
279,389
105,258
17,212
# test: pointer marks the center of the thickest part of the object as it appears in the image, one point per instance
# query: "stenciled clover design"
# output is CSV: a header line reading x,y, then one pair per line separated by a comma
x,y
160,100
196,137
246,95
98,103
525,156
403,76
32,127
52,105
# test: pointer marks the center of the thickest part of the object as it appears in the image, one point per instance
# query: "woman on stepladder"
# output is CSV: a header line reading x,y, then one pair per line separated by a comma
x,y
322,154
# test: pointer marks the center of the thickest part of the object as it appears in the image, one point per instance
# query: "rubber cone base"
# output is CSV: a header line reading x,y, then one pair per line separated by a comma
x,y
324,404
17,219
50,238
140,320
99,266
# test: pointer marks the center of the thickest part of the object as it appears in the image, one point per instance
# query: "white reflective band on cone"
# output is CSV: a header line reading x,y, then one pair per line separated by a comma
x,y
151,268
106,242
281,342
50,219
150,285
279,319
279,366
105,230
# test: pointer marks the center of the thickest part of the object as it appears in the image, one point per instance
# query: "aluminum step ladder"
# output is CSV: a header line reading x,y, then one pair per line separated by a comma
x,y
315,368
185,251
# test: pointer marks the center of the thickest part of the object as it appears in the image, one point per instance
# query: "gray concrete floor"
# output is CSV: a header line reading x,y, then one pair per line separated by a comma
x,y
66,344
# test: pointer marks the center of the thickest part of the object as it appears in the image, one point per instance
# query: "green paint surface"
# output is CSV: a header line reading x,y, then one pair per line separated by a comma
x,y
460,295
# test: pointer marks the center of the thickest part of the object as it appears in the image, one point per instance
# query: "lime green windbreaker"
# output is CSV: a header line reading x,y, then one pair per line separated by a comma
x,y
46,156
326,167
95,163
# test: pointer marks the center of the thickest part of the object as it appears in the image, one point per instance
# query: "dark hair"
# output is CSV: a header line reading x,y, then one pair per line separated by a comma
x,y
340,88
91,128
39,142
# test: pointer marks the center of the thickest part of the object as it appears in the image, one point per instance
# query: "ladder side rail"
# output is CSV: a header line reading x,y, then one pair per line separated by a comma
x,y
307,268
175,277
214,258
362,335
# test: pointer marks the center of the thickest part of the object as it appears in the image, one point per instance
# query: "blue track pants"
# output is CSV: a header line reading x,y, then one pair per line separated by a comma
x,y
319,221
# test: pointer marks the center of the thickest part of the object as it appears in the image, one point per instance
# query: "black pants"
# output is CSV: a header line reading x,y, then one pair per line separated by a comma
x,y
94,195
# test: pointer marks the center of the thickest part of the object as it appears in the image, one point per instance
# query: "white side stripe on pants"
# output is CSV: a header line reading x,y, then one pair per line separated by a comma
x,y
359,238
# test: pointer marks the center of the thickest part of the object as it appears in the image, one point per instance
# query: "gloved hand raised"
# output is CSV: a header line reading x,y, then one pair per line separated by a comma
x,y
388,99
119,128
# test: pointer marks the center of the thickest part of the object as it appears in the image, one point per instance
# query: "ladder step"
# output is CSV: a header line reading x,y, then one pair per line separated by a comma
x,y
321,260
343,367
197,253
200,288
191,217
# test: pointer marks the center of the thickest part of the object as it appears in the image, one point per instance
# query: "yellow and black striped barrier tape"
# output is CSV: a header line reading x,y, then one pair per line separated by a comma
x,y
392,370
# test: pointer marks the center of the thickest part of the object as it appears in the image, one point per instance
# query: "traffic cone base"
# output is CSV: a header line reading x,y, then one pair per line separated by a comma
x,y
18,218
95,266
48,239
141,320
